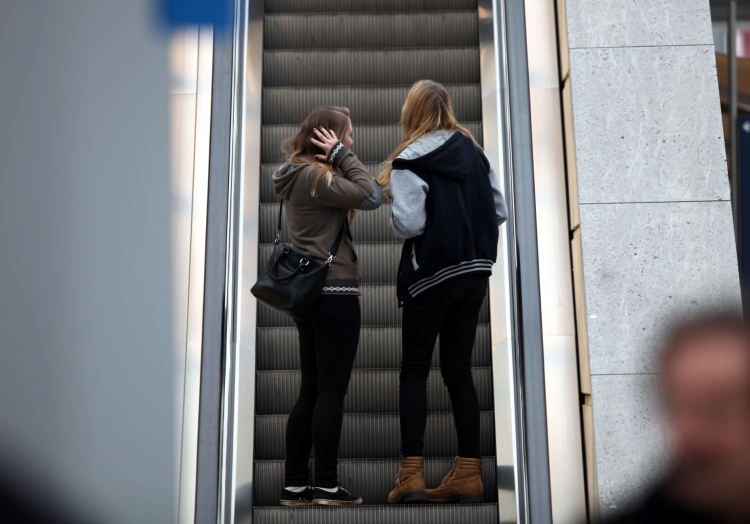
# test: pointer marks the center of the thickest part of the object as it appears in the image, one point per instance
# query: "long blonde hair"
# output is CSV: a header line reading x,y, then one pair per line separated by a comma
x,y
427,109
301,151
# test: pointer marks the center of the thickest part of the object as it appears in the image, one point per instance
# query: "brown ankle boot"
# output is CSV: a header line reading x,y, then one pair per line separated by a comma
x,y
409,481
463,482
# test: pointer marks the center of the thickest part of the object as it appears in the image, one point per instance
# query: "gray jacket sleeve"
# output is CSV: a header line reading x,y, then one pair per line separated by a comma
x,y
409,195
375,200
501,209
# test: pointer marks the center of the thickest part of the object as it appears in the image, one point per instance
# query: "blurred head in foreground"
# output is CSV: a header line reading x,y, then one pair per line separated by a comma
x,y
706,388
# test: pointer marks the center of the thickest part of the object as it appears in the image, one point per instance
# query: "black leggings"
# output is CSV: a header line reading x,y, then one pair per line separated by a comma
x,y
328,345
450,309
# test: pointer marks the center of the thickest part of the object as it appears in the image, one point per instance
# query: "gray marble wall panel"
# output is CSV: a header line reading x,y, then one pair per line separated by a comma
x,y
627,23
631,450
648,125
656,224
646,264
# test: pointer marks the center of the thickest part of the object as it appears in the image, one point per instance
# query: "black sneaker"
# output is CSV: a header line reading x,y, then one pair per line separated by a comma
x,y
303,498
340,497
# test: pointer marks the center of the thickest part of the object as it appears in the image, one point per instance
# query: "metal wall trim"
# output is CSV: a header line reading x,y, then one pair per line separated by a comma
x,y
567,484
533,445
190,222
217,213
244,237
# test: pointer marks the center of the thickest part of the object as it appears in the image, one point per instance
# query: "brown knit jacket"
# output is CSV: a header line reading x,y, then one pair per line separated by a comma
x,y
315,221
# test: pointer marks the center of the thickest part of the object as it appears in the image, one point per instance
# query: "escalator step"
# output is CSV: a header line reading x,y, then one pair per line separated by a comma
x,y
374,436
368,226
269,196
371,479
370,391
394,67
393,514
333,31
378,304
372,143
378,262
379,348
368,105
267,193
332,6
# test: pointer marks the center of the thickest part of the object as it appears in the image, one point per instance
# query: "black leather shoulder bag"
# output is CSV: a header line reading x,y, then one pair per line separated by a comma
x,y
292,281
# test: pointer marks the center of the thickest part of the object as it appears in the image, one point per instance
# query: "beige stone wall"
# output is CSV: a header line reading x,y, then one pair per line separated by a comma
x,y
650,213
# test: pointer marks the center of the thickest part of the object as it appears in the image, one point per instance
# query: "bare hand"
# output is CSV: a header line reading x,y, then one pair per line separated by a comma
x,y
326,140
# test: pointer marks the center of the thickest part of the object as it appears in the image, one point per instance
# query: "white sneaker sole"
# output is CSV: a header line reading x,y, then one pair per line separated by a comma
x,y
326,502
297,502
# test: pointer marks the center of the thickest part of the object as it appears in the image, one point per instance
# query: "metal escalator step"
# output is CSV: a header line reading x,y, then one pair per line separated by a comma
x,y
370,30
370,391
378,304
372,143
378,262
368,105
371,479
332,6
267,193
368,226
374,436
379,348
393,514
392,67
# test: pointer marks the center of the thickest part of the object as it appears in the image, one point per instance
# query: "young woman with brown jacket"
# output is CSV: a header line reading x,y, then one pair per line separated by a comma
x,y
322,185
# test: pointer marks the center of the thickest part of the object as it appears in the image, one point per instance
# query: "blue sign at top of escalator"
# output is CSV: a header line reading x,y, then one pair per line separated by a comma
x,y
178,13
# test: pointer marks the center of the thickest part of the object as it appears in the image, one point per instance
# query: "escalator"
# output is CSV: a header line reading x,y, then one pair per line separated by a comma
x,y
364,55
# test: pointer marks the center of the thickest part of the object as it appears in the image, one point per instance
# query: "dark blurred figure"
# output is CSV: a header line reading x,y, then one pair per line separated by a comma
x,y
18,506
28,497
706,389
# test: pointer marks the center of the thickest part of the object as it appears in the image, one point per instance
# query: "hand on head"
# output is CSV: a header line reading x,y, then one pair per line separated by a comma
x,y
326,140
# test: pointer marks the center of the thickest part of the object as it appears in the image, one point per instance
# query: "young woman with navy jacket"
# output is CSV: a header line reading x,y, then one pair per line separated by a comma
x,y
447,206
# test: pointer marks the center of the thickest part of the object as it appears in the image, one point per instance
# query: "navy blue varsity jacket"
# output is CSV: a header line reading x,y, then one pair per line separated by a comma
x,y
447,204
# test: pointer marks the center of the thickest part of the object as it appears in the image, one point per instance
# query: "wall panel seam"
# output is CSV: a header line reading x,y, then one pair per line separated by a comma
x,y
655,202
663,46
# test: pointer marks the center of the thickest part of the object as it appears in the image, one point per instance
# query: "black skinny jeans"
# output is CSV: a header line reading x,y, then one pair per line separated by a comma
x,y
450,309
328,345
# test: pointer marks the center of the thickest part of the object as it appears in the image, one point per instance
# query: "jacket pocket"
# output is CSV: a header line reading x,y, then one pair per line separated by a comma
x,y
414,256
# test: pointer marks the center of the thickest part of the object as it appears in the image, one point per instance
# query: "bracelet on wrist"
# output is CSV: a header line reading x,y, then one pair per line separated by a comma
x,y
335,154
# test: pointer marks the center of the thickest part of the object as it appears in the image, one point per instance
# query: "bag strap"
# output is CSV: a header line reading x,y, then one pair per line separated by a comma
x,y
278,224
334,250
